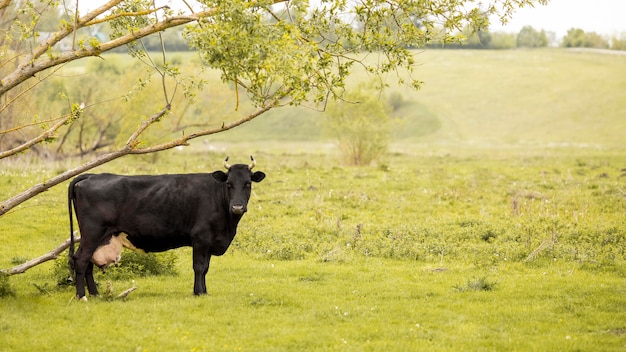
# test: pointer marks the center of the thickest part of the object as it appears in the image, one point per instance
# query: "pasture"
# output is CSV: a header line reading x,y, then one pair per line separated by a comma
x,y
473,234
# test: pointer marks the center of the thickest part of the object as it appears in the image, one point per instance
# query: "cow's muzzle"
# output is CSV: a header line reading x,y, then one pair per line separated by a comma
x,y
238,209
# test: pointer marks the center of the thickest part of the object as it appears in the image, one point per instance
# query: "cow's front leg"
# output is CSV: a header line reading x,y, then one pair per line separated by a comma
x,y
201,259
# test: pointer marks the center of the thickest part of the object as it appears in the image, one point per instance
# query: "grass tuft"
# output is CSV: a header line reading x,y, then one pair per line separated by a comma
x,y
5,286
477,284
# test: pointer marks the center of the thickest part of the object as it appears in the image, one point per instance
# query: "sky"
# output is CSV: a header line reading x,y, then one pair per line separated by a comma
x,y
606,17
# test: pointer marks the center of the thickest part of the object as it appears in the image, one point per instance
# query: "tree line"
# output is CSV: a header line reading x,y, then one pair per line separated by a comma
x,y
529,37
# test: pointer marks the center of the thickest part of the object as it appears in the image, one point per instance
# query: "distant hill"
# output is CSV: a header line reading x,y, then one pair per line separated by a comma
x,y
542,97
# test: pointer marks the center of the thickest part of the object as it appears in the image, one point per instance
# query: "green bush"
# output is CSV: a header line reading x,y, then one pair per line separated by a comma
x,y
131,265
396,100
361,125
502,40
135,264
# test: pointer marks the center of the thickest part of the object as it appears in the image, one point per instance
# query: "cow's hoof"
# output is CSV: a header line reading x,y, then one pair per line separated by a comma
x,y
83,298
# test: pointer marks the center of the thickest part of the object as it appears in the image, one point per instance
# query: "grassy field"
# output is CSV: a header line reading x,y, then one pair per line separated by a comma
x,y
533,98
366,304
459,250
494,225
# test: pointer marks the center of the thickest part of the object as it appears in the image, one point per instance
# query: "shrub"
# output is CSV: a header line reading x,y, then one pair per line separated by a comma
x,y
135,264
396,101
361,125
131,265
502,40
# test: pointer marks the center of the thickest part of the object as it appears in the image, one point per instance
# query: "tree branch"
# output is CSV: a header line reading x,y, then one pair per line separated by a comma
x,y
125,14
42,187
32,66
67,30
13,99
53,254
32,124
184,139
4,4
129,148
42,137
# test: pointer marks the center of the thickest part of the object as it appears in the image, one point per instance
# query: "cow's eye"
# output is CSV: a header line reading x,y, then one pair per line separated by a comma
x,y
248,185
229,185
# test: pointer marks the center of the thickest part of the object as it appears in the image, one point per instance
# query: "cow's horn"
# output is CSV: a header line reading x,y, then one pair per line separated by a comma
x,y
226,164
253,164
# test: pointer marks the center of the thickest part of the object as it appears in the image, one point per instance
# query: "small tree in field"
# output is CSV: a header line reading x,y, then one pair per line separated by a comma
x,y
618,41
361,125
528,37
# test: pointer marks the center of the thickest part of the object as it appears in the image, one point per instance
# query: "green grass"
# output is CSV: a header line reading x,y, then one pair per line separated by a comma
x,y
367,304
528,97
442,260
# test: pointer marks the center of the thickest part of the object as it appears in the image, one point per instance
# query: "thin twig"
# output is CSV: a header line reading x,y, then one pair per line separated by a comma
x,y
42,137
125,14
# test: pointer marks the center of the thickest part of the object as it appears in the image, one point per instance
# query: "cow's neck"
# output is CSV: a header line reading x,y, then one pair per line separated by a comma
x,y
231,225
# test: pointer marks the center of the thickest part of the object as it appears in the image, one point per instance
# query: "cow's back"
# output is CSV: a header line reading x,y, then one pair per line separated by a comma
x,y
157,212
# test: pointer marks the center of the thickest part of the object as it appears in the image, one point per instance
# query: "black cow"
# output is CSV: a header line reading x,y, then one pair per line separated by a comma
x,y
154,214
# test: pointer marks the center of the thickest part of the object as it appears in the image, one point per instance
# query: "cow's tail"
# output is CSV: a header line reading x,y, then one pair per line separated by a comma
x,y
71,198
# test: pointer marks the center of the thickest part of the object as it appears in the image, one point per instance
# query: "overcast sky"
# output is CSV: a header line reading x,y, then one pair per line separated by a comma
x,y
601,16
605,17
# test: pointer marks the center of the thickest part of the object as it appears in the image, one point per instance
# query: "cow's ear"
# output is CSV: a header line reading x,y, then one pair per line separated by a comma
x,y
258,176
220,176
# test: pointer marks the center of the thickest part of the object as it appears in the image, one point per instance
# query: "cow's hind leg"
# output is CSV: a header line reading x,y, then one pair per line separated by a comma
x,y
91,283
84,270
80,266
201,259
84,274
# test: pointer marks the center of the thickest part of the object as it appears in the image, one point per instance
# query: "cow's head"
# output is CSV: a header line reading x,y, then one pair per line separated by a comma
x,y
238,181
